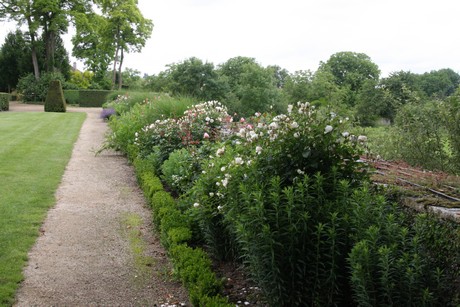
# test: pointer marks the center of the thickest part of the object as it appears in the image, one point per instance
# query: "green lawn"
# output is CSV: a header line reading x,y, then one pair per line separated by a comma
x,y
34,150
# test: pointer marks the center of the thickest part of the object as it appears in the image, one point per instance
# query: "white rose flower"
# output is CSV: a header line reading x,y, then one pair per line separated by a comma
x,y
294,125
328,129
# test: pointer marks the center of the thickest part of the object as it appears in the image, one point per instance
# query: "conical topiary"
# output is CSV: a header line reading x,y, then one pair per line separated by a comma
x,y
55,101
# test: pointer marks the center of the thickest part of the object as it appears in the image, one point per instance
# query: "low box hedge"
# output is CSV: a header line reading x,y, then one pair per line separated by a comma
x,y
5,101
192,265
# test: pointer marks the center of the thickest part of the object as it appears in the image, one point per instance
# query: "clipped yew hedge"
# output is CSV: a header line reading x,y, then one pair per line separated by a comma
x,y
92,98
72,96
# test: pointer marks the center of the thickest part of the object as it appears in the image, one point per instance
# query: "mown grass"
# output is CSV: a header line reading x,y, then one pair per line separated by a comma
x,y
34,150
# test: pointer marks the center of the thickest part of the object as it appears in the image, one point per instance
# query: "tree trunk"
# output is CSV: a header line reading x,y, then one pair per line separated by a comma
x,y
120,78
114,78
50,46
33,50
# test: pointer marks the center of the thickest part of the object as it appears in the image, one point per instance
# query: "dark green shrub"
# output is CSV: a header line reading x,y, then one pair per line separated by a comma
x,y
158,201
4,101
92,98
151,184
55,101
33,90
72,96
193,267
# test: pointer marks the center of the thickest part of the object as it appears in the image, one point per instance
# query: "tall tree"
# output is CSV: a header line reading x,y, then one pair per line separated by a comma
x,y
22,12
91,45
14,60
350,70
195,78
51,17
126,28
252,88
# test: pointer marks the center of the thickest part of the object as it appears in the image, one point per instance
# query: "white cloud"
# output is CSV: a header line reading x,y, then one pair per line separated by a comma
x,y
297,34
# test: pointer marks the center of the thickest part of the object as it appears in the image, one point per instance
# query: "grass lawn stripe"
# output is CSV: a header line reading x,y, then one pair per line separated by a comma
x,y
34,151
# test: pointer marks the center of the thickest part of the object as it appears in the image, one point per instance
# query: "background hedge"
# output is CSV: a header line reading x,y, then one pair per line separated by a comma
x,y
72,96
92,98
5,101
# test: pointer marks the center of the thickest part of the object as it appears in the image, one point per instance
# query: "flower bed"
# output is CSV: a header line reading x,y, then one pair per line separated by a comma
x,y
288,196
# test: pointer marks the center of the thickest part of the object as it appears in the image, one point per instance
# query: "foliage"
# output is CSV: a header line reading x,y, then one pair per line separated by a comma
x,y
452,122
350,70
89,46
200,123
5,101
14,60
372,104
400,259
143,109
92,98
193,268
303,141
421,136
55,101
33,90
251,87
191,265
35,150
288,195
195,78
125,30
82,80
132,79
298,86
439,84
72,96
180,170
51,17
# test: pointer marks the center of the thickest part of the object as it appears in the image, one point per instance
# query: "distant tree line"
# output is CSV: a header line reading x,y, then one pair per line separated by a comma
x,y
349,82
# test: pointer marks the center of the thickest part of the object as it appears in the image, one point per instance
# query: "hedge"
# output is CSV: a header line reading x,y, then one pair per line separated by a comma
x,y
72,96
5,101
191,265
92,98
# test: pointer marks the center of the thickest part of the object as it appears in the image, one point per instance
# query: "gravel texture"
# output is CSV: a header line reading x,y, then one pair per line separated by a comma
x,y
97,246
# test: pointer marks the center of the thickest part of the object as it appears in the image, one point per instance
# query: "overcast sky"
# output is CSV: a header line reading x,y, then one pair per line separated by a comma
x,y
410,35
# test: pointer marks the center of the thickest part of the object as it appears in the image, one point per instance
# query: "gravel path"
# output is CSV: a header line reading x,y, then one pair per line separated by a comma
x,y
97,246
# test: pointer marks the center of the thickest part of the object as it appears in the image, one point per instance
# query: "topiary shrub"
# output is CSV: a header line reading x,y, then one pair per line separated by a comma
x,y
55,101
4,101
